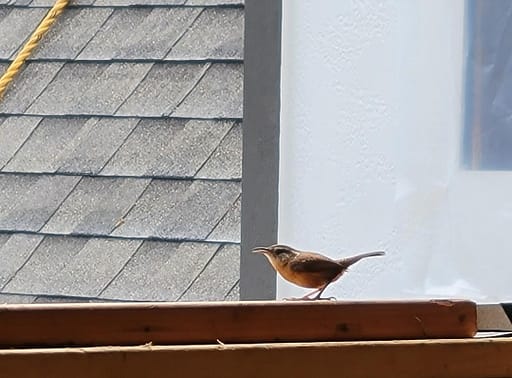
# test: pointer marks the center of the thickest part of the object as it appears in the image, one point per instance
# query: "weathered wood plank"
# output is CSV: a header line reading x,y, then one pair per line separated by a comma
x,y
469,358
232,322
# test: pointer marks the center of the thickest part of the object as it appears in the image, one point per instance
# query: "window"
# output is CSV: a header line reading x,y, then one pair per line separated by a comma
x,y
488,119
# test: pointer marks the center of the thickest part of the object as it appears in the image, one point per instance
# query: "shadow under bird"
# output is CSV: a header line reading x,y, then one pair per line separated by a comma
x,y
309,269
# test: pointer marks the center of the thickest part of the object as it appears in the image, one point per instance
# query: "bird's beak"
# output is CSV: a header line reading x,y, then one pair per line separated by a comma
x,y
260,250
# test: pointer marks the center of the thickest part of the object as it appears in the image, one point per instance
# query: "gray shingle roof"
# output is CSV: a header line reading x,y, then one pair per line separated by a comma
x,y
15,250
19,24
224,28
88,88
28,201
179,209
14,131
32,80
229,226
72,33
72,266
226,161
154,30
217,95
168,147
100,33
191,90
120,152
200,287
162,267
115,3
95,206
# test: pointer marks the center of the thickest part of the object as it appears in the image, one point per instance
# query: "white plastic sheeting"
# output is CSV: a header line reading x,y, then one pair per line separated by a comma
x,y
372,137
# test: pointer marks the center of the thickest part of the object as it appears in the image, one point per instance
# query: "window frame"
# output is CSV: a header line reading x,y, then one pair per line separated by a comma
x,y
260,144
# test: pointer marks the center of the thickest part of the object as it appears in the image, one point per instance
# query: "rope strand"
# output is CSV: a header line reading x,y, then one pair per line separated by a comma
x,y
47,22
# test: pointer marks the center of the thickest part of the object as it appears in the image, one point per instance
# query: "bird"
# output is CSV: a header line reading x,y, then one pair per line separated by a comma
x,y
309,269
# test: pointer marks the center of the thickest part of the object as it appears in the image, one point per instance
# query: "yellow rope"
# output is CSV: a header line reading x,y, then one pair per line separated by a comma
x,y
15,67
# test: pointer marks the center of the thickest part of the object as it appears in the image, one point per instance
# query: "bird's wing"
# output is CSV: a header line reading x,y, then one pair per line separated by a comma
x,y
314,263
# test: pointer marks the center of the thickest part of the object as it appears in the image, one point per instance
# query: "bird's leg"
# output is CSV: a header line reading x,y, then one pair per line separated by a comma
x,y
320,291
308,295
304,298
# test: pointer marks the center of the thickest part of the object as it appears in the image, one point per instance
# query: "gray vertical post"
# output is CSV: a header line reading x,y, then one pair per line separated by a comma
x,y
260,172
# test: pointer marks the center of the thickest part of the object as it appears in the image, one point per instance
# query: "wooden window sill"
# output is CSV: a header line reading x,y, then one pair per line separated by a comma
x,y
245,339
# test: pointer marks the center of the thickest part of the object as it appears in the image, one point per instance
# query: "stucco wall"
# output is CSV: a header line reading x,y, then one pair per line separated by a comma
x,y
370,152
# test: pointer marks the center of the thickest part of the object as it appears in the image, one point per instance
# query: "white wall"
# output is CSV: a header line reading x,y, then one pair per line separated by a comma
x,y
370,141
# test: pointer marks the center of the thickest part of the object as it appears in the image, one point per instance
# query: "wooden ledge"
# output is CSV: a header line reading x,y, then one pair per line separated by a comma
x,y
232,322
469,358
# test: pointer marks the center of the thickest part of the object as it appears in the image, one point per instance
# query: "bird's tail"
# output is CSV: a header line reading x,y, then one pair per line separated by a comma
x,y
347,261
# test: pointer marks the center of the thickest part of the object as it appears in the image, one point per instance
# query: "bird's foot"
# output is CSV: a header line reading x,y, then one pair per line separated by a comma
x,y
306,298
298,299
326,299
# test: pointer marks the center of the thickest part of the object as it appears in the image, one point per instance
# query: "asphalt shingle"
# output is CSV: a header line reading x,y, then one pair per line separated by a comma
x,y
27,201
3,239
167,147
95,206
92,150
153,31
160,271
49,3
234,293
90,88
179,209
63,266
60,299
137,2
217,278
15,2
47,145
224,28
100,89
68,144
226,161
38,275
13,133
16,25
162,89
14,253
132,135
71,33
93,267
16,299
228,228
51,298
214,2
218,94
29,84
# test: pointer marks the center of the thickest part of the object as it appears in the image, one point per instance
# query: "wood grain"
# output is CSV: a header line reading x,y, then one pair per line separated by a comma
x,y
232,322
469,358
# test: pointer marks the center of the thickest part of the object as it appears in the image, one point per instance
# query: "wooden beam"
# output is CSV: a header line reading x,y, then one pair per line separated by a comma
x,y
232,322
470,358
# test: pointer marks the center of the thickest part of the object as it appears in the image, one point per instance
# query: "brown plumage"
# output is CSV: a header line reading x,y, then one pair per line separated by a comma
x,y
309,269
